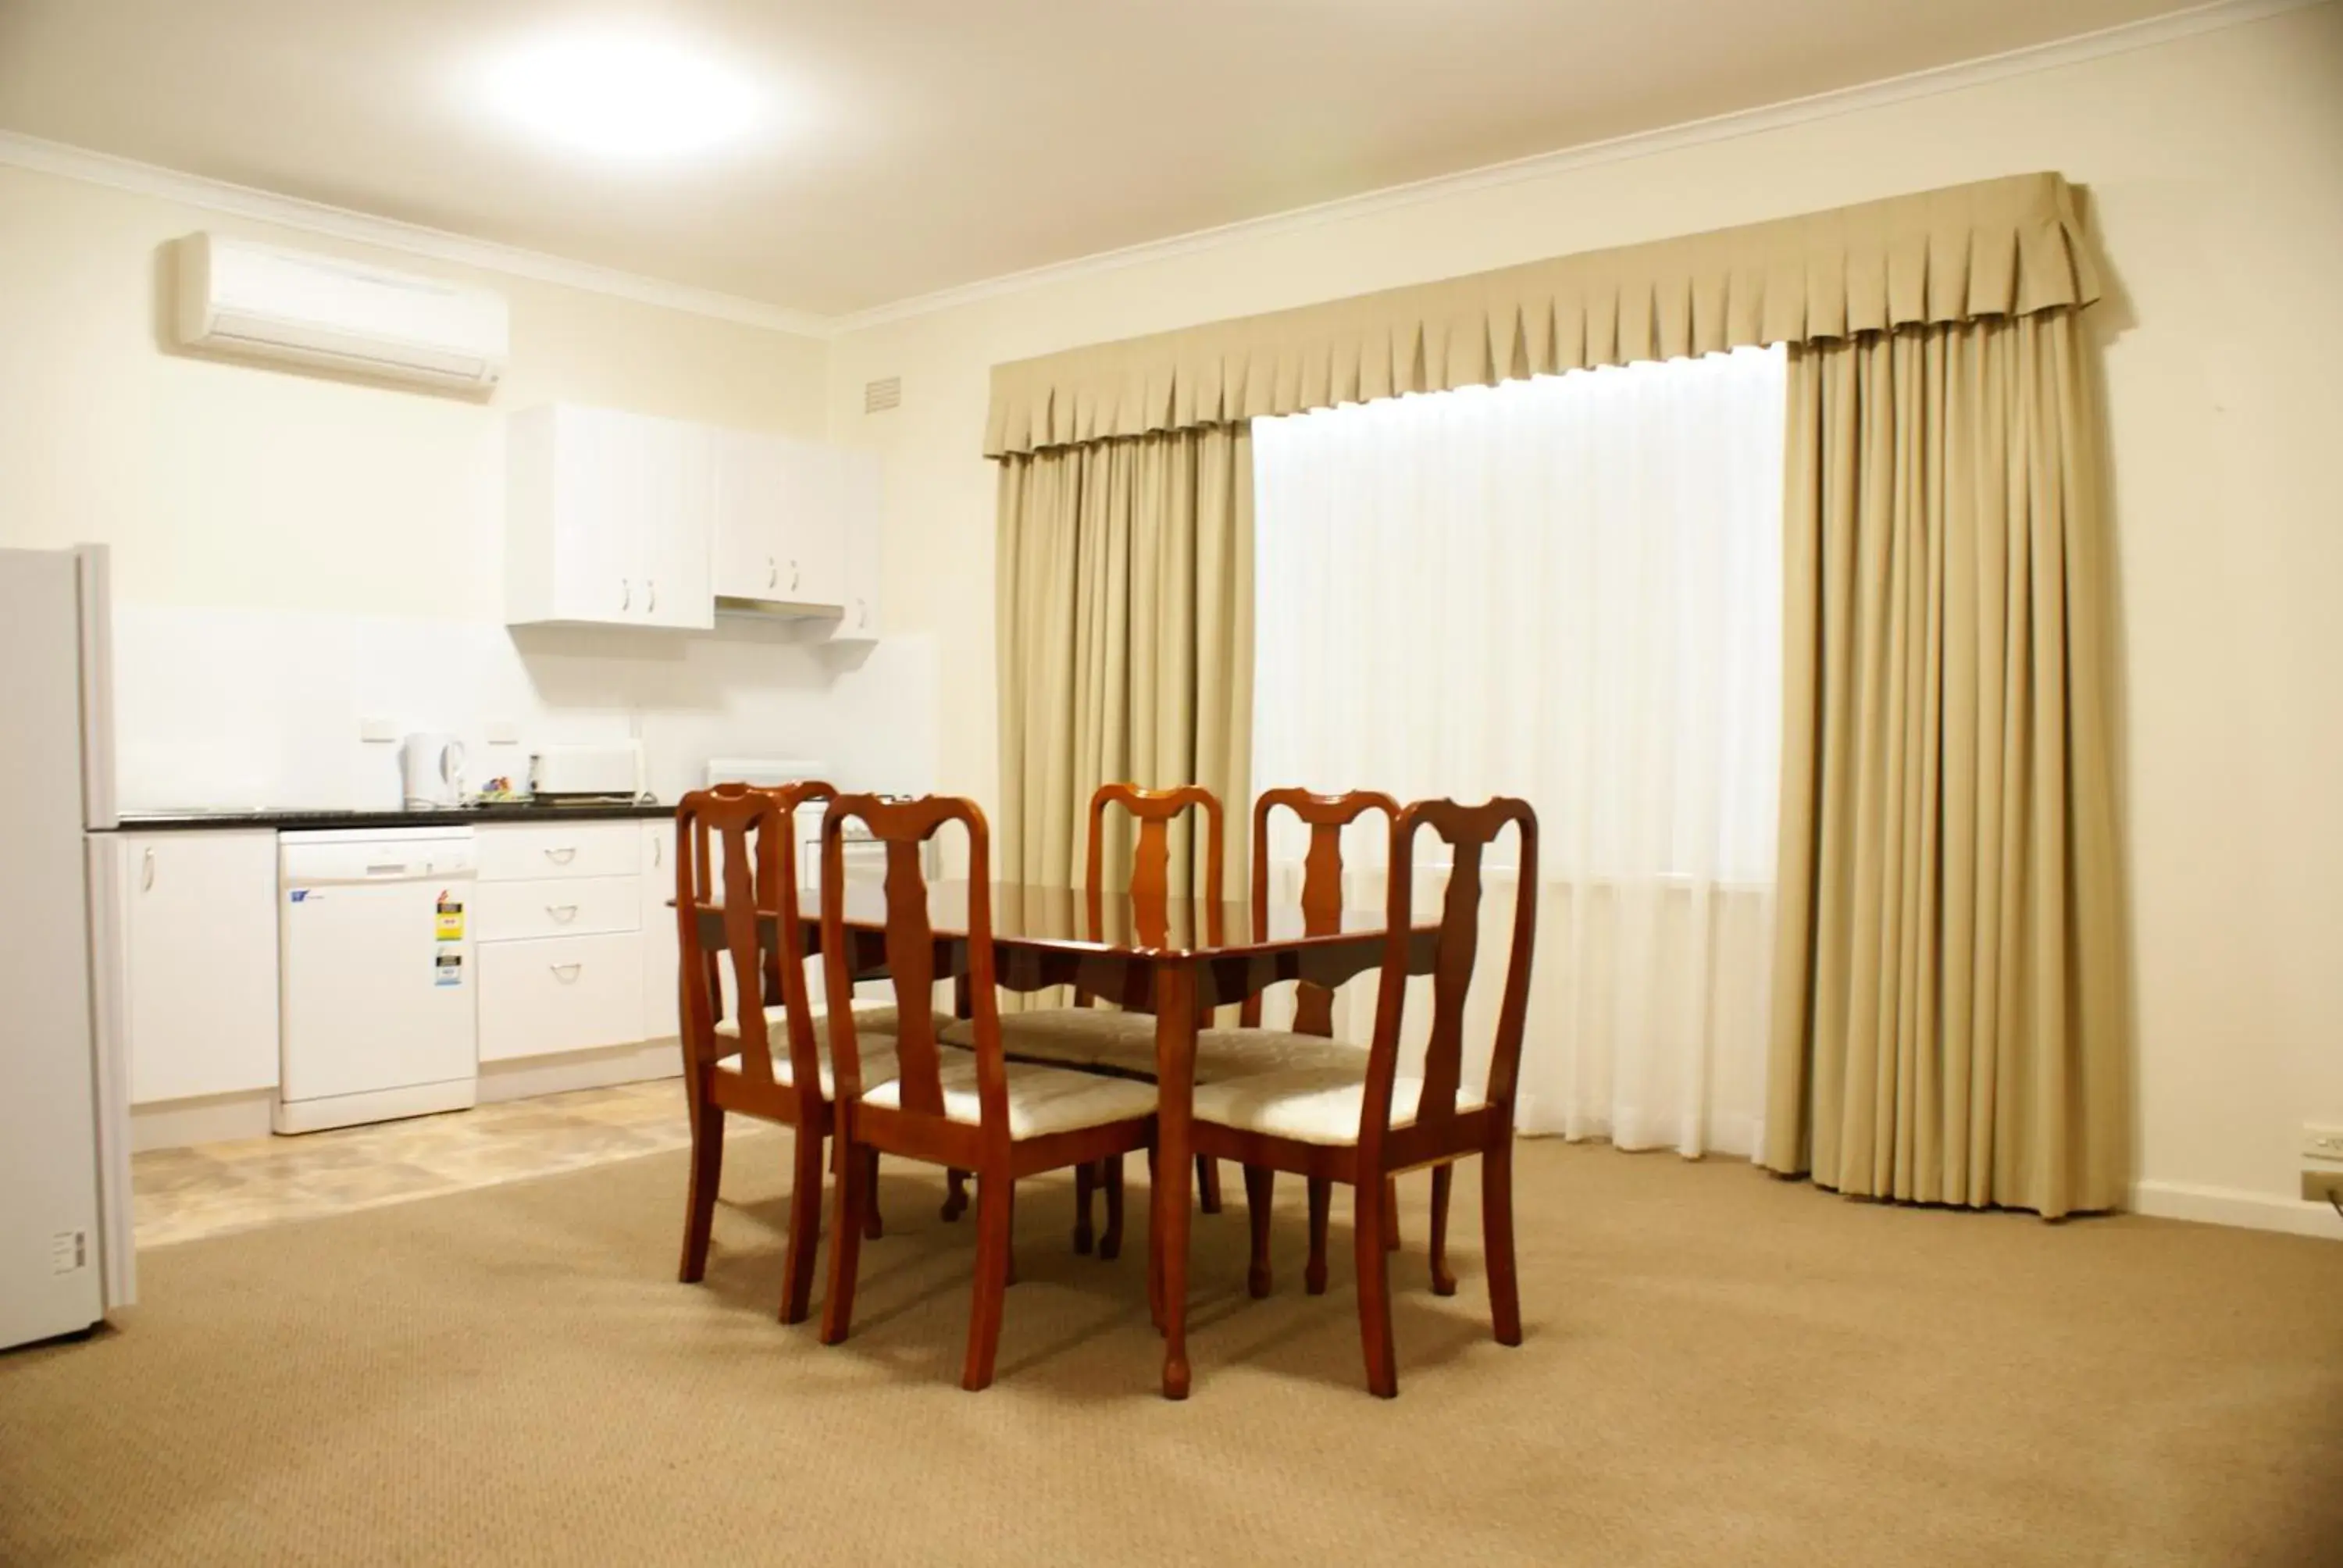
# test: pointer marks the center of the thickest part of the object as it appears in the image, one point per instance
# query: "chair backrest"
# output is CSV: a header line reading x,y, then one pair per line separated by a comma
x,y
1468,830
755,832
1151,858
915,958
1321,883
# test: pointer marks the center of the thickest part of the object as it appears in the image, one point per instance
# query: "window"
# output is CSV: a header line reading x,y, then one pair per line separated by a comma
x,y
1567,589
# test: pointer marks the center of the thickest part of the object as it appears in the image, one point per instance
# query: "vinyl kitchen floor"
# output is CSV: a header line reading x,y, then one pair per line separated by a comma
x,y
179,1195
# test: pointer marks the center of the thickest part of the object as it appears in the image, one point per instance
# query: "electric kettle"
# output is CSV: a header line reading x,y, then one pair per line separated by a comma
x,y
433,768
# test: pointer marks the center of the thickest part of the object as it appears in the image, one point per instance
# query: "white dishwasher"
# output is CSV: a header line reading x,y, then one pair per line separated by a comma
x,y
374,950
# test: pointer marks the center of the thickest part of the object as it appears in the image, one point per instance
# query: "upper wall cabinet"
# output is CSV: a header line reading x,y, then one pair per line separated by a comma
x,y
781,544
609,519
856,477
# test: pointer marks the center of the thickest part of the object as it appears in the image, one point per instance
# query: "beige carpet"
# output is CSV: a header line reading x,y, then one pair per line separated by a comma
x,y
1720,1369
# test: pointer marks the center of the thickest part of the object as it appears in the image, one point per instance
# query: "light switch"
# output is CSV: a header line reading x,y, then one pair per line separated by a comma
x,y
377,727
503,733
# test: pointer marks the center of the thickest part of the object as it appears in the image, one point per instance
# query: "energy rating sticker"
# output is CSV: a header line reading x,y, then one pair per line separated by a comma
x,y
448,924
448,968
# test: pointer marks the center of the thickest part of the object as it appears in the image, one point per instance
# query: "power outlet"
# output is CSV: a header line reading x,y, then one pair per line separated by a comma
x,y
2323,1186
2323,1143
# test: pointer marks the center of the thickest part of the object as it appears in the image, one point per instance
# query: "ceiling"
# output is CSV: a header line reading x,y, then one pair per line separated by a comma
x,y
919,144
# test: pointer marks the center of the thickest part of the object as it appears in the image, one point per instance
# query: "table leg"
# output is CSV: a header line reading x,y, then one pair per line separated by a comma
x,y
1175,1079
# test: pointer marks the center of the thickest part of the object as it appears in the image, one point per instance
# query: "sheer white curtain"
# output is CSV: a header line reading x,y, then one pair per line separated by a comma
x,y
1567,589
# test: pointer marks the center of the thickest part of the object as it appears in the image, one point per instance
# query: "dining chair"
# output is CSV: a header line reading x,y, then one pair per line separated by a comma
x,y
1119,1041
735,847
1361,1127
1249,1049
973,1109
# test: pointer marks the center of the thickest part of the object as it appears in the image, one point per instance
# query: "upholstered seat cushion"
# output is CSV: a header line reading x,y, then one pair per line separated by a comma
x,y
874,1042
1309,1104
870,1017
1042,1100
1226,1053
876,1052
1070,1036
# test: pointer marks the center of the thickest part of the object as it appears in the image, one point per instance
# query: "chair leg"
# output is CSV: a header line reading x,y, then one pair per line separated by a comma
x,y
805,1229
1374,1289
1208,1184
1154,1255
1008,1248
699,1201
1110,1245
1260,1186
873,1225
1390,1213
1444,1283
845,1246
1321,1198
955,1193
1085,1181
1497,1240
994,1195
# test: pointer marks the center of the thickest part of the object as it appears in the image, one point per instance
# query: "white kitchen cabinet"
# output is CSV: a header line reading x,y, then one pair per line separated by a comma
x,y
198,956
609,519
778,541
661,947
558,994
860,502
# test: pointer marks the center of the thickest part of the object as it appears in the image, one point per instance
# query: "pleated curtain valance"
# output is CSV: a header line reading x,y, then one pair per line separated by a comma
x,y
2000,248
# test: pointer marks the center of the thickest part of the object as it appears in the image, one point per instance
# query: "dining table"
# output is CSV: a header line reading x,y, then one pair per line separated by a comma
x,y
1178,958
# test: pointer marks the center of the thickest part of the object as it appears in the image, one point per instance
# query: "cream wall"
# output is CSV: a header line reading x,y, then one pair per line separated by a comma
x,y
293,552
2214,165
225,484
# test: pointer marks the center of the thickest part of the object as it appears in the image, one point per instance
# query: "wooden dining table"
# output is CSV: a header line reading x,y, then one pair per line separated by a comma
x,y
1179,957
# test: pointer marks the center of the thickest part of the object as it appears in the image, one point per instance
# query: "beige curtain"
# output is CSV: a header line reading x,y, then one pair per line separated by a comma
x,y
2008,246
1947,1010
1123,582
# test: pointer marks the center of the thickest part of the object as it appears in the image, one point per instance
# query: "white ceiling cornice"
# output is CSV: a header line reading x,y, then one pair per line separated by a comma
x,y
415,239
390,234
2141,34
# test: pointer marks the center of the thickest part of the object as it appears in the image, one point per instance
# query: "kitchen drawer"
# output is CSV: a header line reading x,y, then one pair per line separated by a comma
x,y
525,852
559,993
556,906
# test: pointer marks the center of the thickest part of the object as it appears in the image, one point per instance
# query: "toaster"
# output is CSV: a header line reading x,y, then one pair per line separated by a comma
x,y
610,770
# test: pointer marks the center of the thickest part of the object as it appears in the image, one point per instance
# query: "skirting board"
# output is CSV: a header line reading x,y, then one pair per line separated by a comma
x,y
212,1119
2232,1206
533,1075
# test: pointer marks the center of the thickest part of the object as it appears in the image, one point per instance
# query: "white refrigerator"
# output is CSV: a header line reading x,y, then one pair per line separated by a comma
x,y
65,1119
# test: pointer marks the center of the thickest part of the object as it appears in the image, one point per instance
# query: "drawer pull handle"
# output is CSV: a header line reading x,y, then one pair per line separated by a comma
x,y
562,854
565,914
566,973
147,872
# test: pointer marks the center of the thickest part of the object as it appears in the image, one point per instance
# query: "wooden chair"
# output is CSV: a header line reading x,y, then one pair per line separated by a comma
x,y
729,1063
1240,1052
971,1109
1361,1128
1119,1042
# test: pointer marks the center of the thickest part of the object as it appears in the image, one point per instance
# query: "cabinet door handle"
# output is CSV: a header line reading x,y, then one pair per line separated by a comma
x,y
146,870
793,574
861,611
658,851
653,604
625,594
561,854
565,973
772,573
562,913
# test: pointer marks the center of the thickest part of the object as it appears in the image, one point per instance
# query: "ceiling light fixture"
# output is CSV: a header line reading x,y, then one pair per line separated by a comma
x,y
627,95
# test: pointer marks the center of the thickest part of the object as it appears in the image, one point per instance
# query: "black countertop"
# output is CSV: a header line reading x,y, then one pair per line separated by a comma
x,y
296,819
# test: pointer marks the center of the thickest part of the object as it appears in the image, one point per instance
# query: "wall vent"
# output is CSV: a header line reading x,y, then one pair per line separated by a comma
x,y
878,396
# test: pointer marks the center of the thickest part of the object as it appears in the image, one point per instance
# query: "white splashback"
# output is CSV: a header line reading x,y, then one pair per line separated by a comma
x,y
242,708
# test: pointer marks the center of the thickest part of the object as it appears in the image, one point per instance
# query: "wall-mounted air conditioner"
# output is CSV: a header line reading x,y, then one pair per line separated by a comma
x,y
254,301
